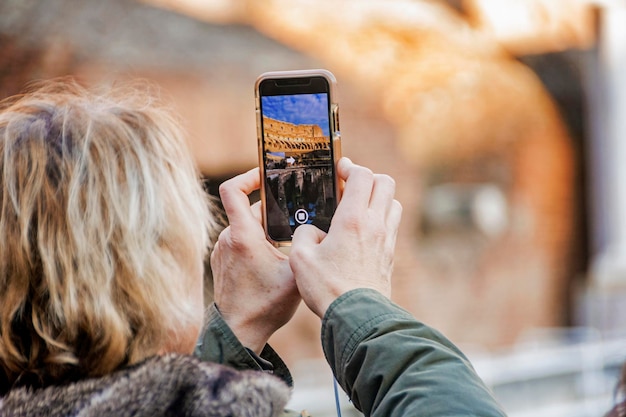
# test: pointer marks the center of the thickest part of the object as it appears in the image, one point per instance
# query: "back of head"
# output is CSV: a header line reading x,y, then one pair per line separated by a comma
x,y
102,219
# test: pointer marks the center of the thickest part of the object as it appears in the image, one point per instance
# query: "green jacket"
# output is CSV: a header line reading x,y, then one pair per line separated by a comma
x,y
387,362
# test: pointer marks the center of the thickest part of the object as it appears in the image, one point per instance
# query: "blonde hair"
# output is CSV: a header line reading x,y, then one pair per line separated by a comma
x,y
101,215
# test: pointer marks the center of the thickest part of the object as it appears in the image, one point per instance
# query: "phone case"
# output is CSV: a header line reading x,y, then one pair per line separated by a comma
x,y
335,135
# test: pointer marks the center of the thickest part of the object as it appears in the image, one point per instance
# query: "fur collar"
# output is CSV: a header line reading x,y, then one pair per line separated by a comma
x,y
171,385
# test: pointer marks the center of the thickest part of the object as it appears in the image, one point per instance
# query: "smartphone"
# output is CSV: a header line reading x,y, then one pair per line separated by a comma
x,y
299,144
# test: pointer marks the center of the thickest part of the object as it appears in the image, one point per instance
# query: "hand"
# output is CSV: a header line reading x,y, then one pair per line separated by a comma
x,y
358,250
254,286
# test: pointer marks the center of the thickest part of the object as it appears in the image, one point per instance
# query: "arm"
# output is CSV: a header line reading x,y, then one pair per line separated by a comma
x,y
388,363
254,290
392,365
220,345
254,287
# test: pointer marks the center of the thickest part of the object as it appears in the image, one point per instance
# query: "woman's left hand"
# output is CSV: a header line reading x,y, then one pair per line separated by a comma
x,y
253,284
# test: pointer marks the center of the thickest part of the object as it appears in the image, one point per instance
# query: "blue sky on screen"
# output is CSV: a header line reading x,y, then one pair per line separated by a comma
x,y
298,109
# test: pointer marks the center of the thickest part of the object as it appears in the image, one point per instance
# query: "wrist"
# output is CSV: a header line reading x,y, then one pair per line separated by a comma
x,y
251,338
250,335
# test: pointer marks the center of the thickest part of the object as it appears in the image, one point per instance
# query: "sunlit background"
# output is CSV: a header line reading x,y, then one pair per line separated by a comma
x,y
502,122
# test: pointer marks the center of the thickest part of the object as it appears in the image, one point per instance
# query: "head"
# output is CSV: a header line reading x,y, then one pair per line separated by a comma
x,y
104,228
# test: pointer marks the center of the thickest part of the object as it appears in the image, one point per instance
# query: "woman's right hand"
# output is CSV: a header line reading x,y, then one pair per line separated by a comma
x,y
358,250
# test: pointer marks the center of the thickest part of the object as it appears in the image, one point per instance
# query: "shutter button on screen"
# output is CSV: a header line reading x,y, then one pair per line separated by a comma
x,y
301,216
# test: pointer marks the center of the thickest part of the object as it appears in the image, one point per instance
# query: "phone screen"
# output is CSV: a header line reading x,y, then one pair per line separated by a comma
x,y
297,156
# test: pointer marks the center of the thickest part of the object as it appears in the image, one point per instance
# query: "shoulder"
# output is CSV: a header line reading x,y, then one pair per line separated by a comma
x,y
163,385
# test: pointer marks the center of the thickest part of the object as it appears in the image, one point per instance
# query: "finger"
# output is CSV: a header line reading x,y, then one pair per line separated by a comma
x,y
393,219
343,165
395,215
393,222
357,188
222,240
214,252
234,196
306,236
256,211
382,193
217,249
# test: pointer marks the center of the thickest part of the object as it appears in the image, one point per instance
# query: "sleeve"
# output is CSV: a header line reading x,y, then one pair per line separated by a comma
x,y
390,364
220,345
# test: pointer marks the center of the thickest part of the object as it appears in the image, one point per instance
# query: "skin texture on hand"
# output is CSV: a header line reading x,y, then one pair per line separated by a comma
x,y
258,288
358,250
253,283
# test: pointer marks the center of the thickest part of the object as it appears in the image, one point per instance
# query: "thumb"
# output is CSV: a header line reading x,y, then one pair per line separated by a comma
x,y
303,258
304,244
305,240
306,235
